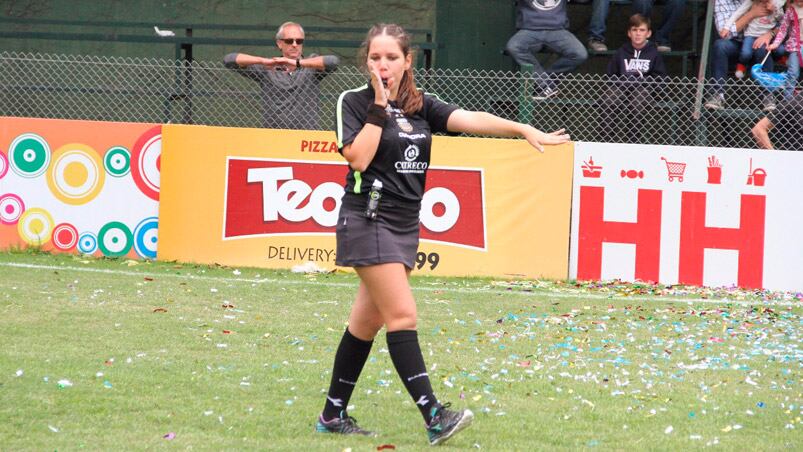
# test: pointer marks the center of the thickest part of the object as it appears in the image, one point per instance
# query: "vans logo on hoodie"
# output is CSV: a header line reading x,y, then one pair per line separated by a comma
x,y
636,64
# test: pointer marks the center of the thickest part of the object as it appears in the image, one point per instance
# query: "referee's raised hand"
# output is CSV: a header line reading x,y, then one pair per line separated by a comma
x,y
382,88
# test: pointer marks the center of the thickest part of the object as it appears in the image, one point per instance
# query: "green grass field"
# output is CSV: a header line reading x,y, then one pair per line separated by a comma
x,y
118,355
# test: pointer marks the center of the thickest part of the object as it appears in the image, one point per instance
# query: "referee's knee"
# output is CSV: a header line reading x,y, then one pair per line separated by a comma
x,y
407,322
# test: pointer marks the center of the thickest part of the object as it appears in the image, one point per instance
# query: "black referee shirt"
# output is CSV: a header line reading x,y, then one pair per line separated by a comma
x,y
402,159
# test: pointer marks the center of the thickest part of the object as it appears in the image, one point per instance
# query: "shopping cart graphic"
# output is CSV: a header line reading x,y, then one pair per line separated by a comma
x,y
675,169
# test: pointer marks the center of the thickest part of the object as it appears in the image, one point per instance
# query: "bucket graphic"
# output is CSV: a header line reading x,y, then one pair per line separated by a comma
x,y
757,177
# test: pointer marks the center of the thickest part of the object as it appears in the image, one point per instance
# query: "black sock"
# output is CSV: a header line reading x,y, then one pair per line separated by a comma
x,y
349,361
406,355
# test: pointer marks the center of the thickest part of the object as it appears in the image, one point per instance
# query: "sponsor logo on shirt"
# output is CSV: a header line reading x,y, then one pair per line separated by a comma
x,y
269,197
416,136
411,165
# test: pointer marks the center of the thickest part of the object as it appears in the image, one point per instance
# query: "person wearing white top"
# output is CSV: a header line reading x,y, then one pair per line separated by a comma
x,y
753,51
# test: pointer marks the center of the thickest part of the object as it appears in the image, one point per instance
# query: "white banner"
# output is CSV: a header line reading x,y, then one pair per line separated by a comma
x,y
689,215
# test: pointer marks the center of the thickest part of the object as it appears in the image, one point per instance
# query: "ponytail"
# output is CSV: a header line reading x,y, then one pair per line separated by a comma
x,y
410,99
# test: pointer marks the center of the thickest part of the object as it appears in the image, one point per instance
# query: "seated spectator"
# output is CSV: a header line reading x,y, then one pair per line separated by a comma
x,y
544,24
788,124
629,94
791,24
289,83
749,54
599,15
725,51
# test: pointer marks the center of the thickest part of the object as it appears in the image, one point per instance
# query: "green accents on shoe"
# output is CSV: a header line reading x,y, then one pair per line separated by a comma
x,y
445,423
344,425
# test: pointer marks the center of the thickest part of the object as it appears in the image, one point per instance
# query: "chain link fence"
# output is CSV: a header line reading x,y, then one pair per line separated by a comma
x,y
670,111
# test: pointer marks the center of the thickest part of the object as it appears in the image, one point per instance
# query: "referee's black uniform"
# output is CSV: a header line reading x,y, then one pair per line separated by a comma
x,y
400,163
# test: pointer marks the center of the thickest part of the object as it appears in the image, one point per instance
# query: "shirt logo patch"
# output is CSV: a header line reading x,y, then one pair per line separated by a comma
x,y
411,153
411,165
404,124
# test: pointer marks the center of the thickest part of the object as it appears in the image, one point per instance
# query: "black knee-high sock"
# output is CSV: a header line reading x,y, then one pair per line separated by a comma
x,y
409,362
349,361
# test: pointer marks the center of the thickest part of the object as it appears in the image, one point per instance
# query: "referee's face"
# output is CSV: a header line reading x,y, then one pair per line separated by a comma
x,y
386,56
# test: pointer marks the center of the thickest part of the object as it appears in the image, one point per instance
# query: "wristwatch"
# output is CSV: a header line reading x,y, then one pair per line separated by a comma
x,y
298,63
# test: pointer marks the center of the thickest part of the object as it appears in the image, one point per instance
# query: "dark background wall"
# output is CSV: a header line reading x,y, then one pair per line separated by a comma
x,y
470,33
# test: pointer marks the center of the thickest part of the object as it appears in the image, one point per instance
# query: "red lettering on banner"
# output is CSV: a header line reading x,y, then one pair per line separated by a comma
x,y
748,239
452,210
593,231
318,146
269,197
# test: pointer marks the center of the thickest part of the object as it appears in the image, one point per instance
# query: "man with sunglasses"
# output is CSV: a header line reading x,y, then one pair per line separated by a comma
x,y
289,83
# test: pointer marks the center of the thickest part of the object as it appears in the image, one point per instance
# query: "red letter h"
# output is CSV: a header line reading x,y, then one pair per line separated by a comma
x,y
645,233
748,239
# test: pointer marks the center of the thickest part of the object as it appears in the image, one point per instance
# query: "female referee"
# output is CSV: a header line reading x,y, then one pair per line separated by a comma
x,y
384,131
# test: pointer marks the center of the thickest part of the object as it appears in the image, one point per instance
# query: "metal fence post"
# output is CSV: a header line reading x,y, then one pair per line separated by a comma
x,y
187,92
525,114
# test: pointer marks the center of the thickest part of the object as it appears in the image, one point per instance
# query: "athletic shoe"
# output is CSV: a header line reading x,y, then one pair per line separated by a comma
x,y
716,102
597,45
663,48
769,103
345,425
546,93
445,423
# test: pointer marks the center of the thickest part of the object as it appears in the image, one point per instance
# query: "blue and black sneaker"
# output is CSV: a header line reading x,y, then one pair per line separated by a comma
x,y
345,425
445,423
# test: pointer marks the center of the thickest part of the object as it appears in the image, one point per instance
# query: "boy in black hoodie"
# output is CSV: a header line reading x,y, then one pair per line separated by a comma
x,y
632,71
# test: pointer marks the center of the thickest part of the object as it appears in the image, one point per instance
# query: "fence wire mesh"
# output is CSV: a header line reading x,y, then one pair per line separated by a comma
x,y
670,111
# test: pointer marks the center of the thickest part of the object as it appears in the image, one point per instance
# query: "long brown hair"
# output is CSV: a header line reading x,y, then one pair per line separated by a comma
x,y
409,98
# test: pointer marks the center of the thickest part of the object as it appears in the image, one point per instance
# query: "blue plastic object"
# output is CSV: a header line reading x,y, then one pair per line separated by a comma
x,y
769,80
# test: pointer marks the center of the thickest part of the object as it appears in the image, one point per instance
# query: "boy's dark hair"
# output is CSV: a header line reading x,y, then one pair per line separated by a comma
x,y
637,20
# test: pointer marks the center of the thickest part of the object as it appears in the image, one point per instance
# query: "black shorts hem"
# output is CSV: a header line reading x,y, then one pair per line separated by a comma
x,y
374,261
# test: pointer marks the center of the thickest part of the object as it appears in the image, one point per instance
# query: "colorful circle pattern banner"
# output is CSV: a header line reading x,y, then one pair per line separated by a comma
x,y
91,195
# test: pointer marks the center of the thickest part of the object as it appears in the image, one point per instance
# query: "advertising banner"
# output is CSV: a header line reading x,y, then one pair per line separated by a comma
x,y
79,186
270,198
689,215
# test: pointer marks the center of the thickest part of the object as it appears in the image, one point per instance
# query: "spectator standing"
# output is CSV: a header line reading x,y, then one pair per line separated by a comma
x,y
751,52
544,24
599,15
289,83
787,121
790,24
725,51
630,92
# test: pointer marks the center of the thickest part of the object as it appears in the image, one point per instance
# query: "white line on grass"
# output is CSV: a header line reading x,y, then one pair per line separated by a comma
x,y
528,293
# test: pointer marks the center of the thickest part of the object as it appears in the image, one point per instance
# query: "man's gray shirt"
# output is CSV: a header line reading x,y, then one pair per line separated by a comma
x,y
290,100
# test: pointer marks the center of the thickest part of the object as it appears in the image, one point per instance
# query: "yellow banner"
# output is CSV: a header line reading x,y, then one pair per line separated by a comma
x,y
269,198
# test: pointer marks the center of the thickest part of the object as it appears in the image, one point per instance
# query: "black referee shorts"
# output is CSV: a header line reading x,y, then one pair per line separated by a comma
x,y
392,237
